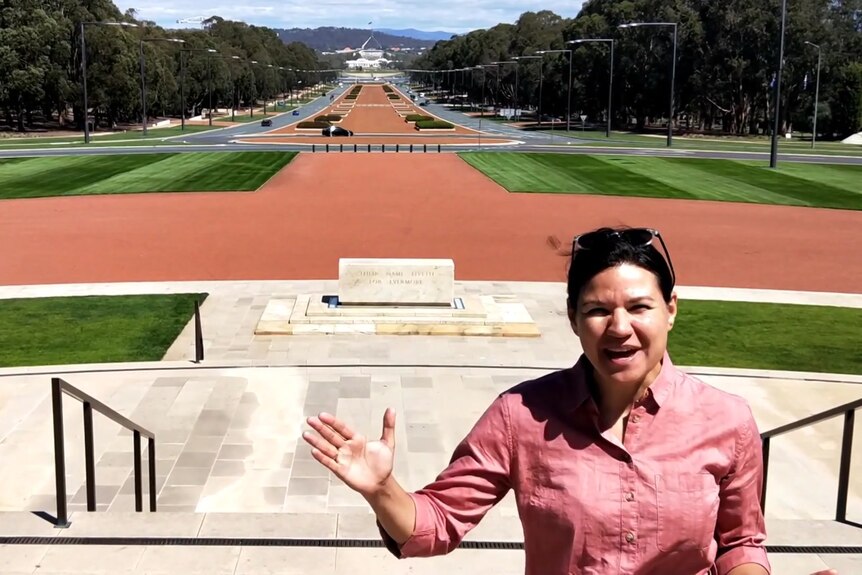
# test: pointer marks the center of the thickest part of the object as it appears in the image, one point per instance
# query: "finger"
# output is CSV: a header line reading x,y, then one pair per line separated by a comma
x,y
320,445
336,424
326,431
388,435
327,462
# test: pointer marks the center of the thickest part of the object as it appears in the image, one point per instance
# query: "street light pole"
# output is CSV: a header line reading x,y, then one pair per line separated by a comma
x,y
569,91
498,64
518,59
143,76
672,72
816,95
84,68
773,149
610,77
183,83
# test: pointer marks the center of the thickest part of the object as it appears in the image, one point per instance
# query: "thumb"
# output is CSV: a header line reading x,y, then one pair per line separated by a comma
x,y
388,436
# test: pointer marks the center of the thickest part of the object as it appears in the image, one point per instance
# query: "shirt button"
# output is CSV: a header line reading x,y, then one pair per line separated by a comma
x,y
635,418
630,496
630,537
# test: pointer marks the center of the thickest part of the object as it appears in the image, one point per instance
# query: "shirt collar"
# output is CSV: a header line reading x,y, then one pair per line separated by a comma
x,y
658,391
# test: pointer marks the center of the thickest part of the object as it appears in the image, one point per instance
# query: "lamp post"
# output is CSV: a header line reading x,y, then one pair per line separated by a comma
x,y
254,84
482,103
232,88
498,64
143,76
773,148
183,83
610,76
518,59
672,73
569,91
84,68
816,94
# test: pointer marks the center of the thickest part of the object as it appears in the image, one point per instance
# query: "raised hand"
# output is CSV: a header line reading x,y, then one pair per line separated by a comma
x,y
362,465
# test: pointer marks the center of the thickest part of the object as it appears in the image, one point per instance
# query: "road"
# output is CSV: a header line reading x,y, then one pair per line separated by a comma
x,y
225,139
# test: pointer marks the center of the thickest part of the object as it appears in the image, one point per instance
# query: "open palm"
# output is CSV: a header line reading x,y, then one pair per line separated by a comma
x,y
361,464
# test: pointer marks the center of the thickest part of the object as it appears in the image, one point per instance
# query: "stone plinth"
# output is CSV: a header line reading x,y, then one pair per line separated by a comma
x,y
374,281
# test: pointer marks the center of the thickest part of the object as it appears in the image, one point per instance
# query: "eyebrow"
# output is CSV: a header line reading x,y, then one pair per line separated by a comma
x,y
639,299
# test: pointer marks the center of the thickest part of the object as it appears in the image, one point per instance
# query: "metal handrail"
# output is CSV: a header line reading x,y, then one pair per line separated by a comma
x,y
849,412
58,388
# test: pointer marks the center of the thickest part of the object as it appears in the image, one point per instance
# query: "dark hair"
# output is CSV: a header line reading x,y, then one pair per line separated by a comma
x,y
587,263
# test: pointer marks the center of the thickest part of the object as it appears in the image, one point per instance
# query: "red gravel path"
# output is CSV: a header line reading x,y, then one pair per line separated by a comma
x,y
322,207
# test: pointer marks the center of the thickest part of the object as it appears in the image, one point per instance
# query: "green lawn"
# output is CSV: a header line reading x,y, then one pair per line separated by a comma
x,y
95,329
153,136
767,336
137,173
724,143
796,184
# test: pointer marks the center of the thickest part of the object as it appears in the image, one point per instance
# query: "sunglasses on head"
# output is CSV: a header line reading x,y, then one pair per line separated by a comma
x,y
636,237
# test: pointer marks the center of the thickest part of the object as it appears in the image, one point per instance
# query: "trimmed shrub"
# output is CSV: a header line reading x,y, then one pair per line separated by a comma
x,y
416,118
393,96
323,118
350,97
312,125
387,88
433,125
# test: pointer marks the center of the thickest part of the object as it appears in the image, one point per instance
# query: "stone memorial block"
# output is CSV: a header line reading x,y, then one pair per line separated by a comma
x,y
396,281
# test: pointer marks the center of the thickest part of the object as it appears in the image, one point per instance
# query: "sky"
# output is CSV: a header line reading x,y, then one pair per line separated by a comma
x,y
455,16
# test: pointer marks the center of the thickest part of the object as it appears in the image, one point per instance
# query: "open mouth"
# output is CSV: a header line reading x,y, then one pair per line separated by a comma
x,y
620,355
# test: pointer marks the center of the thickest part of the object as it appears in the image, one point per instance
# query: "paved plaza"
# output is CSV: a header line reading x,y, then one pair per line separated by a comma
x,y
231,463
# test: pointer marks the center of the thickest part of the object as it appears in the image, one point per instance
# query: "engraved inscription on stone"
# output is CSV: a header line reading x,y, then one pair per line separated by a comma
x,y
396,281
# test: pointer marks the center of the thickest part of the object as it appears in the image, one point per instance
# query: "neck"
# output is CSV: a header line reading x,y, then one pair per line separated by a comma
x,y
615,400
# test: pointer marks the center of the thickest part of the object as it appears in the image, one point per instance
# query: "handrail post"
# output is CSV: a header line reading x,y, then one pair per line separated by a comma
x,y
765,449
139,496
59,453
199,336
89,457
151,454
844,468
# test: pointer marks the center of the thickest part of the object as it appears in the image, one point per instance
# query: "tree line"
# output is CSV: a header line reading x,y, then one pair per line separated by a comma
x,y
41,64
726,63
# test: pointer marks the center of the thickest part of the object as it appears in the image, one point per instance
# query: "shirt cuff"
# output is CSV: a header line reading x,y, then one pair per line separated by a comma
x,y
737,556
421,541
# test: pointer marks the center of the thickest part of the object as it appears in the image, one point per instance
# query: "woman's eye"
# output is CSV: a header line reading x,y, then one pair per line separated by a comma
x,y
597,311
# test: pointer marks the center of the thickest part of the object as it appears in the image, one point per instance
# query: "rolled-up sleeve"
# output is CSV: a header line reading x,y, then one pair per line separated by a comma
x,y
740,528
477,478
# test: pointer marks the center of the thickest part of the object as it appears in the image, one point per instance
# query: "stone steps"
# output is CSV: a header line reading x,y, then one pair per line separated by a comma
x,y
233,557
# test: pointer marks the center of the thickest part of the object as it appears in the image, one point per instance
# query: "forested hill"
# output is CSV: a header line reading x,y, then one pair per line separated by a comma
x,y
330,39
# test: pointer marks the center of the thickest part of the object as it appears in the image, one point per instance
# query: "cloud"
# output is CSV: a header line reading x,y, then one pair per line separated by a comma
x,y
447,15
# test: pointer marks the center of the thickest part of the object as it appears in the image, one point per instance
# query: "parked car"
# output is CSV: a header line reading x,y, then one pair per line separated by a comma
x,y
295,113
266,123
423,103
332,131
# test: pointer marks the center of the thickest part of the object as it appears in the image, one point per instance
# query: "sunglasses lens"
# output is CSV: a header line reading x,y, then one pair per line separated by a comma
x,y
637,236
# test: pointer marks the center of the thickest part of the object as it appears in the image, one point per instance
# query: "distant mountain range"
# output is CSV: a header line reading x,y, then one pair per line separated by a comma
x,y
330,39
417,34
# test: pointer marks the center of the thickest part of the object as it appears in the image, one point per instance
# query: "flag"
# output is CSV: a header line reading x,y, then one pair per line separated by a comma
x,y
805,82
369,23
772,82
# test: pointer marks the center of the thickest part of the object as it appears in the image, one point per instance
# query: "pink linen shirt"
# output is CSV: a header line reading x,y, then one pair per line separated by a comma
x,y
680,496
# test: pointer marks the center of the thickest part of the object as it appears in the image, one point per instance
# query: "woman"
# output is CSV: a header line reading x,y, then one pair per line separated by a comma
x,y
620,464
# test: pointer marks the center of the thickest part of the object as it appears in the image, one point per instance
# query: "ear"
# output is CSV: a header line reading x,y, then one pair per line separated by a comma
x,y
671,309
572,319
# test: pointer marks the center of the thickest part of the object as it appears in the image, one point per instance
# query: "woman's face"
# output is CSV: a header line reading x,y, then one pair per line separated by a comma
x,y
622,321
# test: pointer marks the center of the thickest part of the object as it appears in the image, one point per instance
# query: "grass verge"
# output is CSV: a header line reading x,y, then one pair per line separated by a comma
x,y
795,184
92,329
768,336
138,173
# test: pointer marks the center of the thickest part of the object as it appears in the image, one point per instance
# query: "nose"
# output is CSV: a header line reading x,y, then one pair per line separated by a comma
x,y
619,324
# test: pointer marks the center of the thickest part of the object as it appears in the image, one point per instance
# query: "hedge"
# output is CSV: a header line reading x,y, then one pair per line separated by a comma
x,y
387,88
328,118
314,124
393,96
433,125
350,97
416,118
